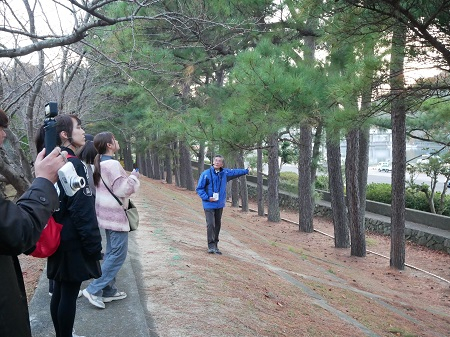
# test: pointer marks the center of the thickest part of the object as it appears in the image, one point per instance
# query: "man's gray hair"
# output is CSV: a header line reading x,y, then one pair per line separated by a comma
x,y
221,157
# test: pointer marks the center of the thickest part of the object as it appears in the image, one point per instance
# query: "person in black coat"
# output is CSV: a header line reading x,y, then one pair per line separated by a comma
x,y
21,225
79,253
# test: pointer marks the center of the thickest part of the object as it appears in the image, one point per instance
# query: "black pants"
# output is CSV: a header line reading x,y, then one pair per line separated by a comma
x,y
213,223
63,307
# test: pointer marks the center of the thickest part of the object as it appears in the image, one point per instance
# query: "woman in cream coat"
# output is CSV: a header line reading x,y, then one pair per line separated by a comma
x,y
111,216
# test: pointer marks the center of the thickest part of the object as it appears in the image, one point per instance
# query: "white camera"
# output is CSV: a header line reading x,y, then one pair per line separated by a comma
x,y
70,180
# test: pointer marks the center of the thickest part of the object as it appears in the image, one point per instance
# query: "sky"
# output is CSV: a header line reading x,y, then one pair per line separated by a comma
x,y
59,18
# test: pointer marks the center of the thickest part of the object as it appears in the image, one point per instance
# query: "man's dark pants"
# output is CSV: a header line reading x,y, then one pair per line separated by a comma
x,y
213,223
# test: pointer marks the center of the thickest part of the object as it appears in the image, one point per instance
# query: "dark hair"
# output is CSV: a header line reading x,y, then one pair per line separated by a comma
x,y
39,139
87,152
101,141
4,120
65,123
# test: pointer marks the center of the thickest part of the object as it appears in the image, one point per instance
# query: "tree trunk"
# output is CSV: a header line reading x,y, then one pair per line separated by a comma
x,y
398,122
176,164
168,167
30,116
127,156
234,186
12,175
260,181
201,159
149,161
156,165
305,174
140,163
305,190
316,151
274,175
363,164
186,177
364,139
356,224
338,207
234,193
243,191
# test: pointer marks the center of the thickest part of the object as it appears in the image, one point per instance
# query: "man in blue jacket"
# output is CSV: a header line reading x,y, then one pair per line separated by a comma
x,y
212,189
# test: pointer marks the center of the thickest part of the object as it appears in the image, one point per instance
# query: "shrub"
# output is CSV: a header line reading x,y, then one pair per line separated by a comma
x,y
414,198
289,182
289,177
379,192
322,183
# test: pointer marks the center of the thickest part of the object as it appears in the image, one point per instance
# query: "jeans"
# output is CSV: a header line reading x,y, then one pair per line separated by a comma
x,y
115,254
213,224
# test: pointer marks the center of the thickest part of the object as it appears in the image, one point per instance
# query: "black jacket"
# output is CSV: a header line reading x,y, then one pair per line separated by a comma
x,y
20,227
78,255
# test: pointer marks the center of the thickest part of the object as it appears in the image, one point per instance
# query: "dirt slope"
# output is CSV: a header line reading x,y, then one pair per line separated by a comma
x,y
273,280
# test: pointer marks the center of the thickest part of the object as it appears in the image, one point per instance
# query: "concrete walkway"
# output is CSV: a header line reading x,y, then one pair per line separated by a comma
x,y
120,318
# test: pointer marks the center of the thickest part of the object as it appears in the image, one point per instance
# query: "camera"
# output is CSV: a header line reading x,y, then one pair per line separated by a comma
x,y
68,177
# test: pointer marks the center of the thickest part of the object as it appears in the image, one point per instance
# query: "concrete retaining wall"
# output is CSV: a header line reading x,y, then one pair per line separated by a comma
x,y
418,234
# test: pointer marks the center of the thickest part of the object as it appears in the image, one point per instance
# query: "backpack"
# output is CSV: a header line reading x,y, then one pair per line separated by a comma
x,y
50,237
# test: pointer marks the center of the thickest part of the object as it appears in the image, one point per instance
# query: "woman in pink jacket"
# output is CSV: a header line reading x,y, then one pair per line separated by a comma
x,y
109,174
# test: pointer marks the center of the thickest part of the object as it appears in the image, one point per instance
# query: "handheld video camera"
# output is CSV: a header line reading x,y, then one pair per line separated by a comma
x,y
68,177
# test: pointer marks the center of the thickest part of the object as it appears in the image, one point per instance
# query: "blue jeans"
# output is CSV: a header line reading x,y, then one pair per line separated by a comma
x,y
115,254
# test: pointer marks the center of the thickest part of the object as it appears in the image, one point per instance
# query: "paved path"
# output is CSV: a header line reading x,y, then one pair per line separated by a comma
x,y
120,318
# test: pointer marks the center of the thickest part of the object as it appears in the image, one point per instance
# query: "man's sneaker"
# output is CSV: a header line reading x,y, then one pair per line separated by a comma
x,y
95,300
119,295
217,251
211,250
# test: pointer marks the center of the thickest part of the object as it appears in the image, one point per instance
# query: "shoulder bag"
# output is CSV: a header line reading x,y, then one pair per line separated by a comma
x,y
49,240
131,213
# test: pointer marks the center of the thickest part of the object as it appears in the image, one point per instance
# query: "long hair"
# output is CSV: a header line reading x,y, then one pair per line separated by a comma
x,y
88,151
101,141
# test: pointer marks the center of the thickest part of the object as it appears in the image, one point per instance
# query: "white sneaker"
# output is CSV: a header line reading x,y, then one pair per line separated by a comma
x,y
119,295
75,335
95,300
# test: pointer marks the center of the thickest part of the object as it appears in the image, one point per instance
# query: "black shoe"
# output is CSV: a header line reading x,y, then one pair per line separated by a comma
x,y
218,252
211,250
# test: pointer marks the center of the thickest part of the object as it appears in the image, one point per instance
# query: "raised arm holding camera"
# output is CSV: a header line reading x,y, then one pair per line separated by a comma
x,y
21,224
